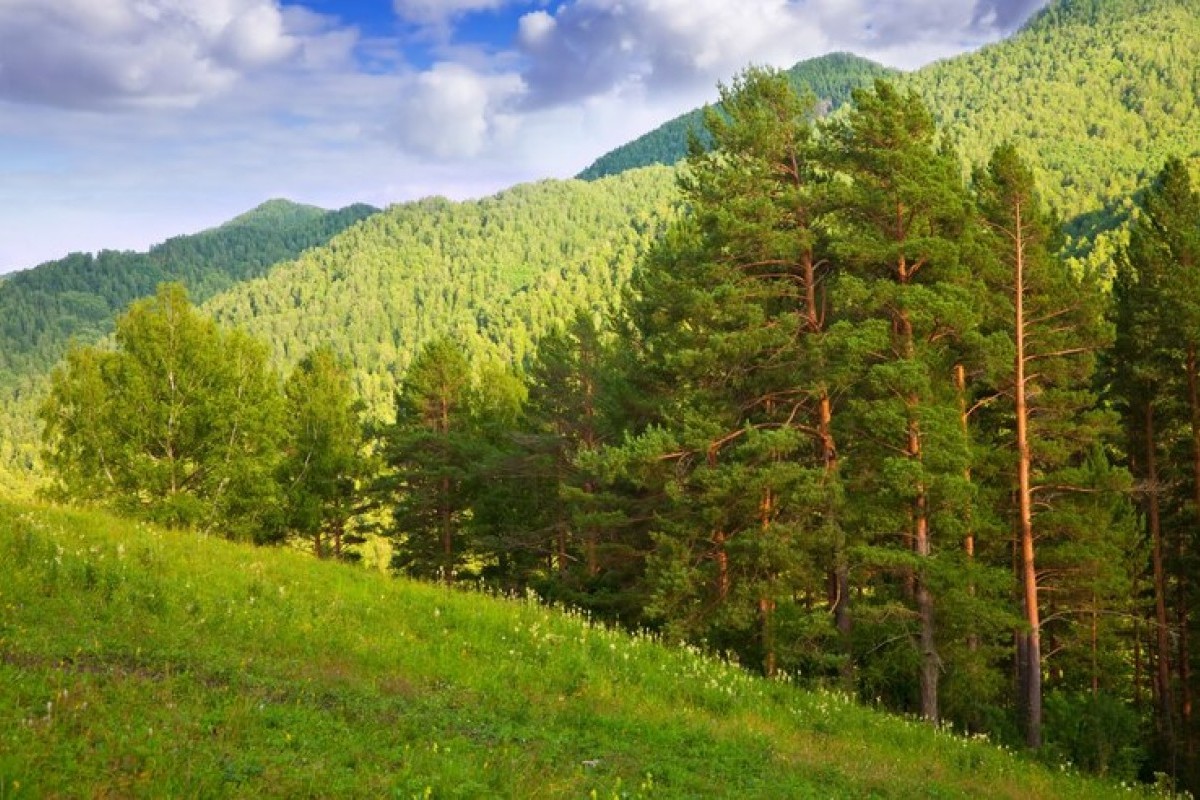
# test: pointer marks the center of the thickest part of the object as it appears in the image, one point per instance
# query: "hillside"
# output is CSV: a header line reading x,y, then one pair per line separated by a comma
x,y
1098,93
496,272
139,662
41,309
830,78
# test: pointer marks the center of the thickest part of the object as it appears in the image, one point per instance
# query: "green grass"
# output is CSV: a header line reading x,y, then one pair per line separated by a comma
x,y
138,662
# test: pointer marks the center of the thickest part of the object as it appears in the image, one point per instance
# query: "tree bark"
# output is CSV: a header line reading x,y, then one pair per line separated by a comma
x,y
1154,521
1033,653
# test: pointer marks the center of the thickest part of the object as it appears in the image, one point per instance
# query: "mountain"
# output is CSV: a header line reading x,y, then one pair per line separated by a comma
x,y
139,662
830,78
496,272
1097,93
41,309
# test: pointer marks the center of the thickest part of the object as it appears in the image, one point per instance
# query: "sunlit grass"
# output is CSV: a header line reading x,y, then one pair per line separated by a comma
x,y
141,662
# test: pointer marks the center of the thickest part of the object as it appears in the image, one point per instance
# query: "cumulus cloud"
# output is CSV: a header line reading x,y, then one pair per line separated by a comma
x,y
114,53
588,47
452,111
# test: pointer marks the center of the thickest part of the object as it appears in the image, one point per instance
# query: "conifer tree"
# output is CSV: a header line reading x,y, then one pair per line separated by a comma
x,y
731,315
430,449
901,215
1155,381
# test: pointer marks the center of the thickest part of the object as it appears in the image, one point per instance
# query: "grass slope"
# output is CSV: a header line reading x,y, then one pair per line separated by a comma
x,y
138,662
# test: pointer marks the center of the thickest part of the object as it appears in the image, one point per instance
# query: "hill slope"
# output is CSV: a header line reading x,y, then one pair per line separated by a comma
x,y
139,662
41,309
830,78
1096,92
496,272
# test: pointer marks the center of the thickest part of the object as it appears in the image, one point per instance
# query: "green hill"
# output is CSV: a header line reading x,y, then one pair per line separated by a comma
x,y
830,78
496,272
1096,92
139,662
79,296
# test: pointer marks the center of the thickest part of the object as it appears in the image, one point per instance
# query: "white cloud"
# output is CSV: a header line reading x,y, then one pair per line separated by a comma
x,y
452,111
589,47
240,100
114,53
534,29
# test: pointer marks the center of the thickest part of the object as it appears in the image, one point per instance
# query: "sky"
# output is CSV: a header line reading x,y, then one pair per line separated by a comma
x,y
125,122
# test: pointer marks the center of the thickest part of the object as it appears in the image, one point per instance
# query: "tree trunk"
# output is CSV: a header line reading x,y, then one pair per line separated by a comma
x,y
766,613
964,421
447,533
722,559
1162,689
766,604
1033,678
930,661
1184,662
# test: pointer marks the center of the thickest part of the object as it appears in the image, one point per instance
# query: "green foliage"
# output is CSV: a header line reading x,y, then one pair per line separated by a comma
x,y
1098,93
181,423
324,465
79,297
144,662
493,274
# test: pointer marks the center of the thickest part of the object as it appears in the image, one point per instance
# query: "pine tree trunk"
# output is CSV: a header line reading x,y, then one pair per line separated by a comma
x,y
447,533
930,661
1184,662
766,613
1033,653
722,559
964,421
1162,689
840,578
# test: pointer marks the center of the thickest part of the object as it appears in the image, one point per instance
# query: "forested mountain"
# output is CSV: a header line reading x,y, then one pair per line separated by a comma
x,y
830,78
1099,92
80,295
496,273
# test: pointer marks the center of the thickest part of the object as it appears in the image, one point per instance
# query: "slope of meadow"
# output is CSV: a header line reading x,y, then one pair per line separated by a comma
x,y
141,662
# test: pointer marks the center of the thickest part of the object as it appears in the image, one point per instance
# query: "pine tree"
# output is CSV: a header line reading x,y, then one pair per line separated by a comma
x,y
1156,378
901,215
1057,326
430,449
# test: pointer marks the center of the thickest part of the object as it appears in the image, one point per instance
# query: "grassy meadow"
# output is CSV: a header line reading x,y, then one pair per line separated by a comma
x,y
139,662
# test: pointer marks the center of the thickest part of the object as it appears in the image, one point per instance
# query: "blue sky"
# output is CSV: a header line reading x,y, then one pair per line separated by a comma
x,y
124,122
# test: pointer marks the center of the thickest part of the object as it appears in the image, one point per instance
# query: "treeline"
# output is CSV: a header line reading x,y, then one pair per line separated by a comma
x,y
858,422
497,272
